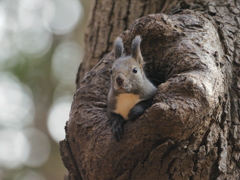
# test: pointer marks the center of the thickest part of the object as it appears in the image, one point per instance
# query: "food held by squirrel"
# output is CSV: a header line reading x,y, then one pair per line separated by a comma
x,y
131,93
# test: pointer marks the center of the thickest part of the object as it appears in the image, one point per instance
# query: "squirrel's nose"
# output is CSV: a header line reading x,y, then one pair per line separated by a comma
x,y
119,81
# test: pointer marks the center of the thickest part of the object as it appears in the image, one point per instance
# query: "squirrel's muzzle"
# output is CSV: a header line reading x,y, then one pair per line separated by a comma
x,y
119,81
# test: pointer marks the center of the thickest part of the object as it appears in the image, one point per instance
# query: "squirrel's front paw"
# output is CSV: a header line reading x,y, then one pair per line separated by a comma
x,y
135,112
117,130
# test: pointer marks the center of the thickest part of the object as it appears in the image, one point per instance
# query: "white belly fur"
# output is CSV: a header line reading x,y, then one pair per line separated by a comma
x,y
125,102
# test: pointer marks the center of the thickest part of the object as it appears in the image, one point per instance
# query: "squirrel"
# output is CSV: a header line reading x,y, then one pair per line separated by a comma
x,y
131,93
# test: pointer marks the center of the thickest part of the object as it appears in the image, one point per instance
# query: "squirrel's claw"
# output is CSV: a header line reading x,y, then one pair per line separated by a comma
x,y
135,112
139,109
117,130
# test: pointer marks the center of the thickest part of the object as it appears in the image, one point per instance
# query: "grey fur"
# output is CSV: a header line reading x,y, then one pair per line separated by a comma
x,y
118,48
135,83
136,51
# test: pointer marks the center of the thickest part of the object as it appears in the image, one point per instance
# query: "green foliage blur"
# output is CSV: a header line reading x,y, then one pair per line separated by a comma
x,y
40,51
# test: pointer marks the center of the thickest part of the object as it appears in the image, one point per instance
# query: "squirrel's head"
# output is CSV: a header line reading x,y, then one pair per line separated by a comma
x,y
127,75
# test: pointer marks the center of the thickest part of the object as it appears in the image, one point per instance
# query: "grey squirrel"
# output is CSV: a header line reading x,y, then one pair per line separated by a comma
x,y
131,93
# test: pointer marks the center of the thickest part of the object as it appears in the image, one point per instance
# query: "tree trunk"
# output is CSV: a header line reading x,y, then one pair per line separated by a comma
x,y
192,54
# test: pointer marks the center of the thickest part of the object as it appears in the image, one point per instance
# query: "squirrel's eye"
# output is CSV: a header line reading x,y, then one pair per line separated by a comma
x,y
111,72
135,70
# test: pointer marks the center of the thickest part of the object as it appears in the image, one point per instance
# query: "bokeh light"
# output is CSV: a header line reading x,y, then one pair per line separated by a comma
x,y
34,41
39,57
58,116
8,49
14,148
30,4
39,147
2,21
29,175
61,16
17,108
66,58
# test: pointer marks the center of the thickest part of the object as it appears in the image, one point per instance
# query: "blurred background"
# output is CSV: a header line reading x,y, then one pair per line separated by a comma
x,y
41,47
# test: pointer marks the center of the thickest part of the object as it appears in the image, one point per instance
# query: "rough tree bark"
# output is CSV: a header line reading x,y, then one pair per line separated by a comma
x,y
192,130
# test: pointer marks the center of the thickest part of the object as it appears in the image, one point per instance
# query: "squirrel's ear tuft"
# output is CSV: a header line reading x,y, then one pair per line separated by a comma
x,y
136,51
118,48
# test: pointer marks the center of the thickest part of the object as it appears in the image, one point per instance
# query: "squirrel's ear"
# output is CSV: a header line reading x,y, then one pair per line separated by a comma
x,y
118,48
136,51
